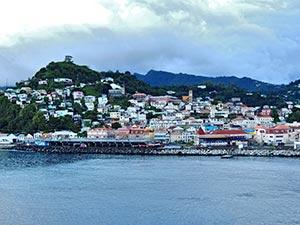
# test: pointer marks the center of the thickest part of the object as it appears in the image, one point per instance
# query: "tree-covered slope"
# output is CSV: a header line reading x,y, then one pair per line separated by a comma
x,y
83,74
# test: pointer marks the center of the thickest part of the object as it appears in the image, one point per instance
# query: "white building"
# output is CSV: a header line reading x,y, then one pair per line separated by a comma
x,y
115,115
77,95
89,99
264,120
103,100
63,134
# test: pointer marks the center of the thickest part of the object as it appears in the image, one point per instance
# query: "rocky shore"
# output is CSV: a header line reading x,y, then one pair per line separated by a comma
x,y
259,151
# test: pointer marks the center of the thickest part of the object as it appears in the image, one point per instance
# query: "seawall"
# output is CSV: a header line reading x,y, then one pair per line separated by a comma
x,y
264,152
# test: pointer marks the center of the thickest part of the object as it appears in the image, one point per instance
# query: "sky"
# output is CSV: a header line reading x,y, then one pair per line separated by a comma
x,y
244,38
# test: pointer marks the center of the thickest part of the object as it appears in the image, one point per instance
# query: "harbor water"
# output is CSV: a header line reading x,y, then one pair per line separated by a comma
x,y
44,188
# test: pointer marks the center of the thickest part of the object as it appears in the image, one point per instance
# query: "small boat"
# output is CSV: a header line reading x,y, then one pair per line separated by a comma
x,y
227,156
5,141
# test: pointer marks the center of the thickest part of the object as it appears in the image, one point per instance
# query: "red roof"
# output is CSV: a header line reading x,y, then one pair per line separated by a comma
x,y
229,132
259,127
276,131
295,127
123,129
200,131
139,95
282,127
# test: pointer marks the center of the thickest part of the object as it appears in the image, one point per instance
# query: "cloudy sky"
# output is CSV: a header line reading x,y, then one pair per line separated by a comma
x,y
254,38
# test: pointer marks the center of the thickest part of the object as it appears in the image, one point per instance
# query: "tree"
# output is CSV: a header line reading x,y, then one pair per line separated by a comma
x,y
150,115
92,115
214,102
294,116
38,122
231,116
116,125
78,108
275,115
61,123
82,134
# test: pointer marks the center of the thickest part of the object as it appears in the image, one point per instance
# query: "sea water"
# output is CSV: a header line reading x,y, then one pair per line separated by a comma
x,y
38,188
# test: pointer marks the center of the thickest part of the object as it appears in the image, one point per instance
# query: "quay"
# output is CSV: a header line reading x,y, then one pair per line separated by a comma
x,y
129,147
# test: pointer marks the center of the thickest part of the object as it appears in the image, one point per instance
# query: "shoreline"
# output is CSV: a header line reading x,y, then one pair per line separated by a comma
x,y
264,152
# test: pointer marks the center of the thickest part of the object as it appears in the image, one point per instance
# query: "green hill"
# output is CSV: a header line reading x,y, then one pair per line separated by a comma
x,y
82,74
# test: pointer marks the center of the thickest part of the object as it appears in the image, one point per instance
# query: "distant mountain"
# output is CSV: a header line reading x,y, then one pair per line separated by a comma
x,y
291,92
162,78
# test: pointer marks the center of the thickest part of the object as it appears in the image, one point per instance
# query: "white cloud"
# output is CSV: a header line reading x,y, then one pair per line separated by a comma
x,y
35,17
214,37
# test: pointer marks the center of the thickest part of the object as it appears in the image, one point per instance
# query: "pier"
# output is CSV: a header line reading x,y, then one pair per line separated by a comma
x,y
101,143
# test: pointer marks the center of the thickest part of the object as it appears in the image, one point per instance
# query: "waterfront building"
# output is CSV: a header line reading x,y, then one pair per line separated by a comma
x,y
62,134
223,138
280,134
100,133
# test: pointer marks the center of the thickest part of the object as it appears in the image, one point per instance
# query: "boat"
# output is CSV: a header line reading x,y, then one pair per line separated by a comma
x,y
4,141
227,156
172,146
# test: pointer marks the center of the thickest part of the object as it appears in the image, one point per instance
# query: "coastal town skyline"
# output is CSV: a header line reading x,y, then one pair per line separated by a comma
x,y
213,38
101,106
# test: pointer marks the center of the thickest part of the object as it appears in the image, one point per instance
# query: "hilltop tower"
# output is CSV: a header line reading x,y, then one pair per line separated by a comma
x,y
68,58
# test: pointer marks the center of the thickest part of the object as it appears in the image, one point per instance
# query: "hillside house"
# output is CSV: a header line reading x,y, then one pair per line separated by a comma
x,y
139,97
77,95
63,80
103,100
43,82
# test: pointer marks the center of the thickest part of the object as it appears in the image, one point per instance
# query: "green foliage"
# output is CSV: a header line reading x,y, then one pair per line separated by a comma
x,y
123,102
204,115
294,116
150,115
61,123
275,115
214,102
92,115
78,109
38,122
13,119
91,90
82,134
232,116
8,114
68,70
116,125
